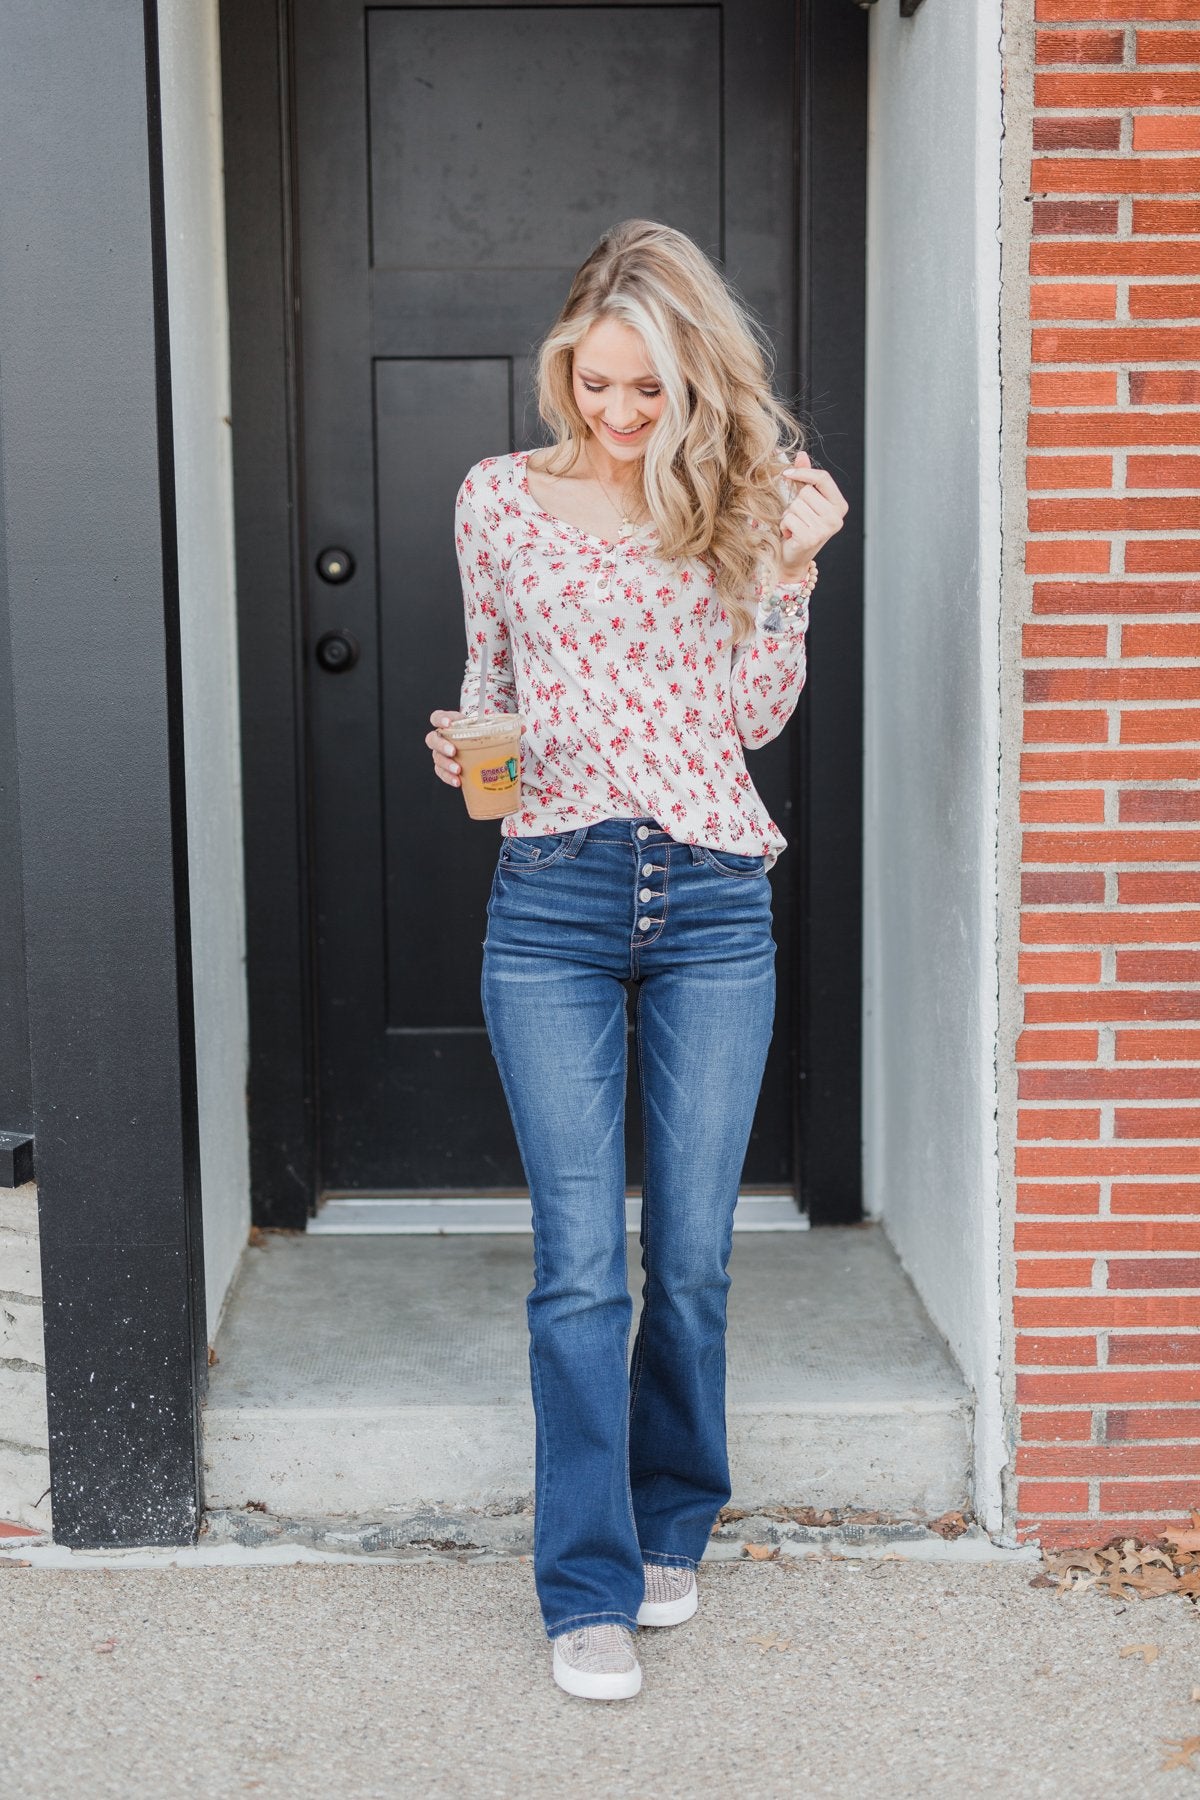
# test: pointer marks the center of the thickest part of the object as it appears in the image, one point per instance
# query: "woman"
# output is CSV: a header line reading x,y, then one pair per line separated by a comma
x,y
641,587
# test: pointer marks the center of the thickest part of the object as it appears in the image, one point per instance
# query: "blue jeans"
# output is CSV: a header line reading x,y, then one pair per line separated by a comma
x,y
631,1460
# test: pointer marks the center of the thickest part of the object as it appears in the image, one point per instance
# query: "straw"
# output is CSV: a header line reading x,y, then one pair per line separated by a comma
x,y
484,658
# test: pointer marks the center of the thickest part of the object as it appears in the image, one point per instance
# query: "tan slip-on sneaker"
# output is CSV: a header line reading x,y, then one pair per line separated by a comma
x,y
597,1662
671,1595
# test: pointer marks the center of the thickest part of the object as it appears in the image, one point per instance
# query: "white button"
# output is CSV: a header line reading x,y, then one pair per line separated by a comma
x,y
643,831
645,924
647,868
645,894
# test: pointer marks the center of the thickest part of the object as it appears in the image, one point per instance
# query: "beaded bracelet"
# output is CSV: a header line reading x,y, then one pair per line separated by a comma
x,y
787,603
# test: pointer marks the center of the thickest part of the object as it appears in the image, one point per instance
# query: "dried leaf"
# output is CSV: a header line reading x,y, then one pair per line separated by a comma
x,y
774,1642
1184,1750
1183,1539
1196,1693
106,1648
1147,1652
761,1552
951,1525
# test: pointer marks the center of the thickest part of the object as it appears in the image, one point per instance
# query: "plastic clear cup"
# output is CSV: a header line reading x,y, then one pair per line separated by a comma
x,y
489,759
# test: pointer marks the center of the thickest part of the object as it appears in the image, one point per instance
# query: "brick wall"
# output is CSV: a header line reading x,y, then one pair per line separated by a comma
x,y
1107,1305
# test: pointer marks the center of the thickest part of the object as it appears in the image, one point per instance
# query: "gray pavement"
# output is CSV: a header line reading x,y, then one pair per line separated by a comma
x,y
431,1678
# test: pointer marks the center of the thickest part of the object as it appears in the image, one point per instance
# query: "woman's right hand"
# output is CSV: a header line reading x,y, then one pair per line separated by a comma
x,y
445,756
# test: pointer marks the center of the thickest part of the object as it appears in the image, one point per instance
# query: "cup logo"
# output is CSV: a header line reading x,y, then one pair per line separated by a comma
x,y
499,777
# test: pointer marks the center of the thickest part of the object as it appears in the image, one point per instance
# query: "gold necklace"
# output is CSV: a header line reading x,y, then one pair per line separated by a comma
x,y
622,514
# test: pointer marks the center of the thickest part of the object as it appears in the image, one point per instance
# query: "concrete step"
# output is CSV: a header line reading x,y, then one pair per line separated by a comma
x,y
359,1374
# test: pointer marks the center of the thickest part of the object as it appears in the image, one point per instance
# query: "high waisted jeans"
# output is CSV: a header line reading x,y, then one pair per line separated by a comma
x,y
631,1461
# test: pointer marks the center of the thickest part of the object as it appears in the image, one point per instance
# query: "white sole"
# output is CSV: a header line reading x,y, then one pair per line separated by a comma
x,y
669,1612
587,1685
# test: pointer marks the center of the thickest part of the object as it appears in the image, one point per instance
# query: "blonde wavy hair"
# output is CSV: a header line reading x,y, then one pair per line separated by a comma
x,y
710,474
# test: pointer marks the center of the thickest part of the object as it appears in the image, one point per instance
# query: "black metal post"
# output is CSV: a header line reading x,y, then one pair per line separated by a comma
x,y
90,529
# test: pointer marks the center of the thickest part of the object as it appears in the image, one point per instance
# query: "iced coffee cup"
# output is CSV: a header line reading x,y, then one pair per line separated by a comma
x,y
489,758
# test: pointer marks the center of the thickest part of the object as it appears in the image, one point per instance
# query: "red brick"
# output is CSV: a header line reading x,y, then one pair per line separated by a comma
x,y
1053,1496
1162,965
1158,888
1151,640
1158,1122
1038,1272
1177,725
1081,1534
1156,556
1148,300
1165,46
1103,1312
1107,1387
1070,640
1074,218
1179,1347
1084,132
1040,1160
1078,387
1059,1197
1115,513
1056,1427
1056,1352
1107,1005
1090,727
1073,300
1117,174
1176,471
1066,12
1117,596
1113,256
1149,1496
1175,217
1110,765
1155,1272
1102,1237
1079,46
1043,685
1109,1084
1062,889
1167,387
1112,927
1156,1197
10,1529
1136,846
1154,131
1144,1425
1112,90
1064,806
1057,1046
1158,805
1058,473
1063,430
1041,968
1077,556
1059,1122
1109,1459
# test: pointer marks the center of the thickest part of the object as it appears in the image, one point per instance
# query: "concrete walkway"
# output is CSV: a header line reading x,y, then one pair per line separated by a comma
x,y
806,1678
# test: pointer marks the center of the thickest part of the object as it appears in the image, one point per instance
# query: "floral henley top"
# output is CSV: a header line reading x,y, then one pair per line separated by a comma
x,y
634,698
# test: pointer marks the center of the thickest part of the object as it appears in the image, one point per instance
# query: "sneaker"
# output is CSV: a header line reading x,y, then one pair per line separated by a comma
x,y
671,1595
597,1663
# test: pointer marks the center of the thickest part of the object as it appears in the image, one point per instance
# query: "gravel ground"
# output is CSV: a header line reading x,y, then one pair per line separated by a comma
x,y
382,1679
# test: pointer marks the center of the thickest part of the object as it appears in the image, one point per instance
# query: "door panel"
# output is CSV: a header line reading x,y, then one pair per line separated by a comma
x,y
454,165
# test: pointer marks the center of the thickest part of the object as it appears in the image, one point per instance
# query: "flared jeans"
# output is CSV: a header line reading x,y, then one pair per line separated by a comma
x,y
631,1464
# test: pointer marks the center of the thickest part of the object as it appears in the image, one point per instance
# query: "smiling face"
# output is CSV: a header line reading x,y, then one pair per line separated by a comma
x,y
616,389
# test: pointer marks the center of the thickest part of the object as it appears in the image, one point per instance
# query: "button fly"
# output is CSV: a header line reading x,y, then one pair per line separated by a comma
x,y
647,868
645,895
643,831
645,924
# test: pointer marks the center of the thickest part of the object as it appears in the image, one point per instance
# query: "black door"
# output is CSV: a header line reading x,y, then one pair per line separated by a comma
x,y
453,166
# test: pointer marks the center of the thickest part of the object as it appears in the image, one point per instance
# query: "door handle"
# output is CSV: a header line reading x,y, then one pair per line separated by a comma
x,y
337,651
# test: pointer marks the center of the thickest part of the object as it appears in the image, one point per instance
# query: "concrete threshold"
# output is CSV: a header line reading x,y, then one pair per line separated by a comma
x,y
359,1376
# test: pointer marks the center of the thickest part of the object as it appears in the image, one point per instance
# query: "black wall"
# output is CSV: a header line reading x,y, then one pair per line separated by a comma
x,y
90,535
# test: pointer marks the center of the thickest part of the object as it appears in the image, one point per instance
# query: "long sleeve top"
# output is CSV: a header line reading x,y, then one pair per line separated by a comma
x,y
635,699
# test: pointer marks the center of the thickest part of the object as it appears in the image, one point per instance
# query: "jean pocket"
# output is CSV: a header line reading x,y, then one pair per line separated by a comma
x,y
728,862
533,852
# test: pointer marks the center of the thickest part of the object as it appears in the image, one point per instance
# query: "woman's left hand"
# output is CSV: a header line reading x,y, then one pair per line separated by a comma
x,y
815,512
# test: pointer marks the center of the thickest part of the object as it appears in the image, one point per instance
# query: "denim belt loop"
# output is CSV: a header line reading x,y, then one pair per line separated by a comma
x,y
697,853
578,839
